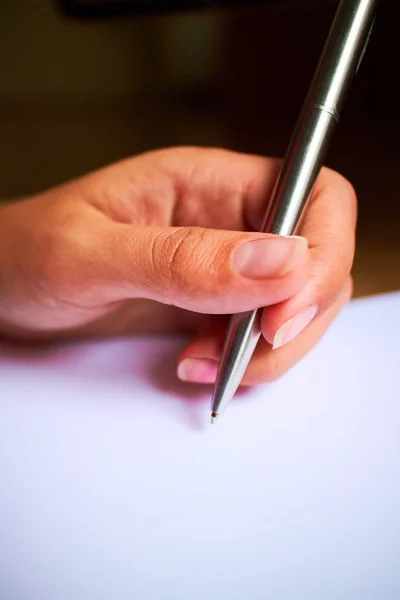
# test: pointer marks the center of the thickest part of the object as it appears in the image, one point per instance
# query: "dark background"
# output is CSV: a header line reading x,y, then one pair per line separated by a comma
x,y
77,94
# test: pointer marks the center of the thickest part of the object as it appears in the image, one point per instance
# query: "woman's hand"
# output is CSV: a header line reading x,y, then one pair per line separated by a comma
x,y
161,242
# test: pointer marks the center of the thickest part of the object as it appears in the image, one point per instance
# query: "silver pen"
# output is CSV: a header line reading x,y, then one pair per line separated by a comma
x,y
339,62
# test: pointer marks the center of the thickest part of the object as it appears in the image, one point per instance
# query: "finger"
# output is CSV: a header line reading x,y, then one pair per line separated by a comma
x,y
202,270
329,225
199,361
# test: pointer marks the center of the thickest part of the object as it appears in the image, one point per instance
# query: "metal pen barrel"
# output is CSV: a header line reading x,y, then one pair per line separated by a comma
x,y
340,60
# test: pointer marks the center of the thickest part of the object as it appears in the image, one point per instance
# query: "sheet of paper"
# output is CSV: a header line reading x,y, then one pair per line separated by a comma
x,y
114,485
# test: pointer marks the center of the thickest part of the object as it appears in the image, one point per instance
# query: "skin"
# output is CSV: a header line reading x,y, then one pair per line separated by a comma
x,y
150,245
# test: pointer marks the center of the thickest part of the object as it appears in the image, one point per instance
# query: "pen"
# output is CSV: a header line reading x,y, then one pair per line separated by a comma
x,y
339,63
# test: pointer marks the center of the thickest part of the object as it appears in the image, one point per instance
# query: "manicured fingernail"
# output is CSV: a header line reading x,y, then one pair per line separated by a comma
x,y
294,326
271,257
198,370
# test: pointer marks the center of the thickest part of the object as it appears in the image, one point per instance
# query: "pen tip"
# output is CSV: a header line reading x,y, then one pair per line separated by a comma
x,y
214,417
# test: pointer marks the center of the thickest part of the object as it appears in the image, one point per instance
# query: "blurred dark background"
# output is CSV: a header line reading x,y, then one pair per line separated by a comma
x,y
76,94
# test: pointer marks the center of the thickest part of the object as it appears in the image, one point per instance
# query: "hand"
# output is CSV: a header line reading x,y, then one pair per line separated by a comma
x,y
161,242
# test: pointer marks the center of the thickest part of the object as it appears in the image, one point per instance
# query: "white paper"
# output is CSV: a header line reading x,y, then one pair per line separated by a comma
x,y
114,486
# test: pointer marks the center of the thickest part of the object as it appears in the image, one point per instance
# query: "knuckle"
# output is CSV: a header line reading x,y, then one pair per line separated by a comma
x,y
184,254
183,247
267,369
276,366
326,291
340,189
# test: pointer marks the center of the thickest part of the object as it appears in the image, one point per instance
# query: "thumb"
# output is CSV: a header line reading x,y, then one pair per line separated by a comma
x,y
206,270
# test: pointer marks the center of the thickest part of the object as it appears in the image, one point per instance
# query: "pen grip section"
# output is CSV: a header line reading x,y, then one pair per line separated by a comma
x,y
303,162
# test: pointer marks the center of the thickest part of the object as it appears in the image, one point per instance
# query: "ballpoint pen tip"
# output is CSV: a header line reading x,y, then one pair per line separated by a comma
x,y
214,417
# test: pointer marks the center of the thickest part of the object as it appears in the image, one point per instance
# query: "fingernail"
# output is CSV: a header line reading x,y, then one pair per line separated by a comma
x,y
271,257
198,370
294,326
